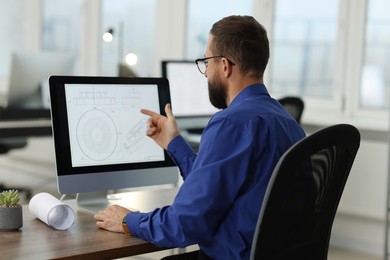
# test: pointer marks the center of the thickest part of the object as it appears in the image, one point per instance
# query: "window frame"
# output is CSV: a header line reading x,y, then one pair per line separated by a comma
x,y
344,106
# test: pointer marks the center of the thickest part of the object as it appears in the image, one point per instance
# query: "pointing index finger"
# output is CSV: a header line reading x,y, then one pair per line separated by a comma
x,y
149,113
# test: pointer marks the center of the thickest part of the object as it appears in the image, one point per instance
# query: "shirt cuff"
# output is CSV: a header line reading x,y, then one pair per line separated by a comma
x,y
178,148
132,222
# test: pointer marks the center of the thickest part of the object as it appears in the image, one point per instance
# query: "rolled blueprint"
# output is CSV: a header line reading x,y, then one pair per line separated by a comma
x,y
51,211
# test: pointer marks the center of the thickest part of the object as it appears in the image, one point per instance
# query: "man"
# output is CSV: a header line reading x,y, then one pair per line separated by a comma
x,y
218,204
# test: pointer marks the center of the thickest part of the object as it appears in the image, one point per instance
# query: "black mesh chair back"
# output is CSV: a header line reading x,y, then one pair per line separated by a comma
x,y
294,106
303,194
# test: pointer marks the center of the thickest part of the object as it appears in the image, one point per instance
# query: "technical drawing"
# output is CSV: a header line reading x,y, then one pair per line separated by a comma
x,y
97,134
136,137
107,127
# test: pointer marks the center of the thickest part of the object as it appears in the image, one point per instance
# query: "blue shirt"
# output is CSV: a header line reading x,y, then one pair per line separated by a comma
x,y
218,204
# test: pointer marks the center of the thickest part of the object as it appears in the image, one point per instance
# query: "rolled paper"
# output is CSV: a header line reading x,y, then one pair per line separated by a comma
x,y
51,211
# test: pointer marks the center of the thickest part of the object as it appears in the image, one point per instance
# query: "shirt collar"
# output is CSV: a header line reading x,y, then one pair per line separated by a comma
x,y
251,90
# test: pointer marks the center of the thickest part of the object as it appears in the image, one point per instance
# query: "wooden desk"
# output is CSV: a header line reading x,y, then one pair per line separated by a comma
x,y
83,240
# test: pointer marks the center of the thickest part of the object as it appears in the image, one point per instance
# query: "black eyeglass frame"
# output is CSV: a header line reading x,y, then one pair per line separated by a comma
x,y
204,60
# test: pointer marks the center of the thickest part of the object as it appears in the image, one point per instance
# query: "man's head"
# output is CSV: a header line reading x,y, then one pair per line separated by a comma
x,y
238,41
243,40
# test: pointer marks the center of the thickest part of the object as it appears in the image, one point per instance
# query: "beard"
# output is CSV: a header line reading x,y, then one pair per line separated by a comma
x,y
217,93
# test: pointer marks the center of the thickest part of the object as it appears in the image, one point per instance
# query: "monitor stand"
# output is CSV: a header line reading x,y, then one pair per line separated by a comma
x,y
94,201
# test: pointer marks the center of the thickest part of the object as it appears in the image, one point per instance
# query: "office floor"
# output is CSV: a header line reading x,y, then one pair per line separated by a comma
x,y
343,254
334,254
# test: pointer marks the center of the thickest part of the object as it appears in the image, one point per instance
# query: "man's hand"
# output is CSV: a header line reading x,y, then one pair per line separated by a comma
x,y
111,218
160,128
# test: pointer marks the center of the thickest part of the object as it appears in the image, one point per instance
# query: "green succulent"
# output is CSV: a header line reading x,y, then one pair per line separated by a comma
x,y
9,198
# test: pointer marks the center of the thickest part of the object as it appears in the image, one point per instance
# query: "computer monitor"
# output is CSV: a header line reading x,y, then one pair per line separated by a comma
x,y
28,80
99,135
126,71
189,93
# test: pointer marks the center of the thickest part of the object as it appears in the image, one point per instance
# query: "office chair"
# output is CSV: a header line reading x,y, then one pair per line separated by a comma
x,y
293,105
290,226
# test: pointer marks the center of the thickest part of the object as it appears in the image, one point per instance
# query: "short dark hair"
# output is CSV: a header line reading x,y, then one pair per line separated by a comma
x,y
244,41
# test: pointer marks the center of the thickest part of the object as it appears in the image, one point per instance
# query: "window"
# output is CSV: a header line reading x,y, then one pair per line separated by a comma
x,y
202,14
12,30
375,76
303,48
61,25
62,28
132,24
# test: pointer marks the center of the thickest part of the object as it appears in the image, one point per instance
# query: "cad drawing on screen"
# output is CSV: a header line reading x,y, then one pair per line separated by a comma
x,y
104,131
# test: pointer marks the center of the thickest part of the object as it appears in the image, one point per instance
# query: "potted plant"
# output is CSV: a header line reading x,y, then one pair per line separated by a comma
x,y
11,213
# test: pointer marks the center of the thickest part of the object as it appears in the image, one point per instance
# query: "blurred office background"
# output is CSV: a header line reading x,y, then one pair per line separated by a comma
x,y
334,54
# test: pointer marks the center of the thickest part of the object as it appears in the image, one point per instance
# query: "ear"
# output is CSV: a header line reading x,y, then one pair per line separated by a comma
x,y
227,67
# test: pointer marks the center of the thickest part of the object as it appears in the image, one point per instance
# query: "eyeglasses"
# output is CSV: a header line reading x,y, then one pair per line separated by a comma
x,y
203,63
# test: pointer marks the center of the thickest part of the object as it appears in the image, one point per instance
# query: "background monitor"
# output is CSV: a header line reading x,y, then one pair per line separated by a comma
x,y
99,135
126,71
189,93
28,81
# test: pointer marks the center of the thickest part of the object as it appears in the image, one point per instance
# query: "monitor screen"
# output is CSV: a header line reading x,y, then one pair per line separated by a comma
x,y
189,93
28,81
99,133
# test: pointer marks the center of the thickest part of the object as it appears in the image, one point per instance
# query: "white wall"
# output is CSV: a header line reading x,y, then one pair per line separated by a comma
x,y
359,224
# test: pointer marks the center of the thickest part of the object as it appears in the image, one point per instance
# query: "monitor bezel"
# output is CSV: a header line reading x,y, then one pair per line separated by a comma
x,y
61,129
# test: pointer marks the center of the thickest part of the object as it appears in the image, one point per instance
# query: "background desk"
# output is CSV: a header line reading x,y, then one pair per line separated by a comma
x,y
83,240
24,122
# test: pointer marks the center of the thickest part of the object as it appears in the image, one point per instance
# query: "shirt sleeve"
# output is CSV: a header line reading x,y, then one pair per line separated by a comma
x,y
204,199
182,154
